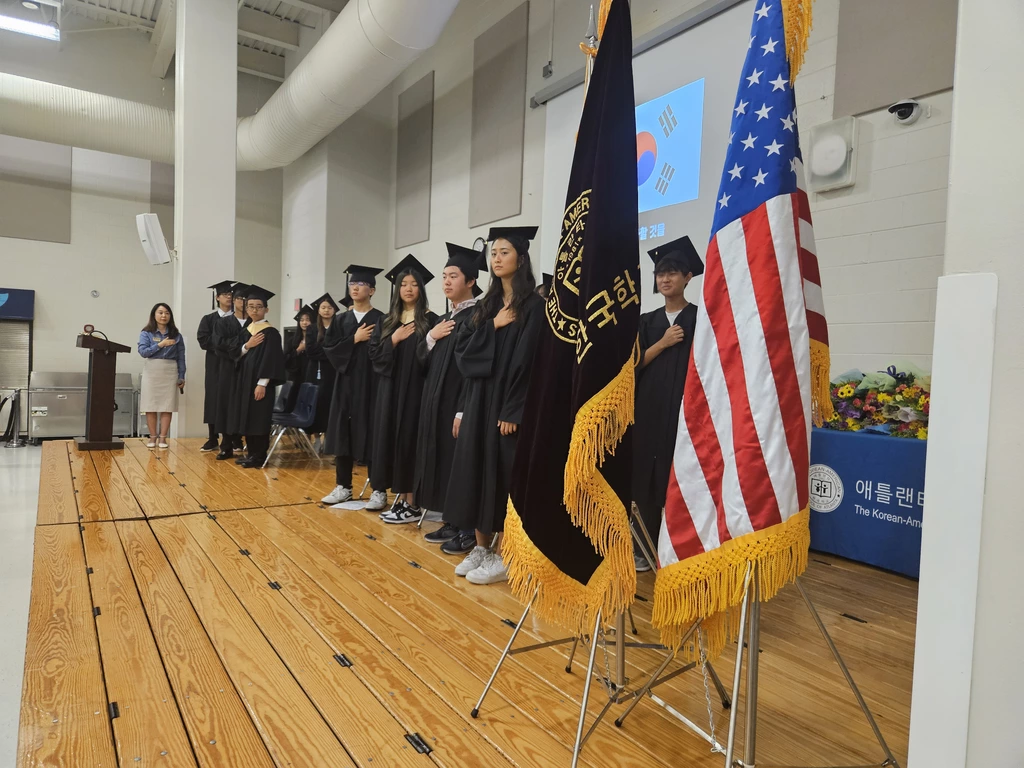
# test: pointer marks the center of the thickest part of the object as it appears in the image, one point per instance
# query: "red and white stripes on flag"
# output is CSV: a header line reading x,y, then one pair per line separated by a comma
x,y
738,488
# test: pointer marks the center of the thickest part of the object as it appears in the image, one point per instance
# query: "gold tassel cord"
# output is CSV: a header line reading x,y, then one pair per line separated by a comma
x,y
708,585
796,16
821,390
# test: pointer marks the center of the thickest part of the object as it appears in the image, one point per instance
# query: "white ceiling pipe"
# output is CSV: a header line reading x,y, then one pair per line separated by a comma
x,y
366,48
33,109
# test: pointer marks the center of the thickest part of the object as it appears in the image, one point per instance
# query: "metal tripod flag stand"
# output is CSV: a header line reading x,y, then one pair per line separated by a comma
x,y
615,688
750,635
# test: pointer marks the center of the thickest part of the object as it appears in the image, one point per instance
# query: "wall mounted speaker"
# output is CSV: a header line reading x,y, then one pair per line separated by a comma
x,y
151,235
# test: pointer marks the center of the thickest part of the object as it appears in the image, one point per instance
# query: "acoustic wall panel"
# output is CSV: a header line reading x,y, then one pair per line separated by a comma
x,y
35,190
412,167
499,115
892,49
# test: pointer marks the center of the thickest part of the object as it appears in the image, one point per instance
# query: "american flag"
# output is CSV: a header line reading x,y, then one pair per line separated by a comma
x,y
739,479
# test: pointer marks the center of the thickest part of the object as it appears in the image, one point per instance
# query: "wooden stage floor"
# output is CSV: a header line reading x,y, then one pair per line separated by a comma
x,y
188,612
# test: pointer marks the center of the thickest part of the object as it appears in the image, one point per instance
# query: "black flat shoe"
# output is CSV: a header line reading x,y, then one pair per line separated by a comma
x,y
254,463
241,460
225,455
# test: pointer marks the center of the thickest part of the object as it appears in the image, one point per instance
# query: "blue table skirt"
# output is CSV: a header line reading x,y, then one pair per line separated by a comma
x,y
867,494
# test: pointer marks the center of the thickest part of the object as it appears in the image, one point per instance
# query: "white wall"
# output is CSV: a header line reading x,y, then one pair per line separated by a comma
x,y
881,241
107,192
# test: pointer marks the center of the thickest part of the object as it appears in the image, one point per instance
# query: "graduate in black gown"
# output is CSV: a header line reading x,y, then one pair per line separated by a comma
x,y
666,336
204,335
319,370
350,424
295,346
396,414
262,369
494,352
227,342
435,448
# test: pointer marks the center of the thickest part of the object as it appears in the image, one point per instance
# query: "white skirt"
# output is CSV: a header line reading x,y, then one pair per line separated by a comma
x,y
159,386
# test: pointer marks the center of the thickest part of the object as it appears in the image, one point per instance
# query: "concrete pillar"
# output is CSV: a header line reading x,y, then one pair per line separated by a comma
x,y
205,112
968,666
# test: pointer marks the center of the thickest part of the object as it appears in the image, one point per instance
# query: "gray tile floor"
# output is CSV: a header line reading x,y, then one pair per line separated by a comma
x,y
19,493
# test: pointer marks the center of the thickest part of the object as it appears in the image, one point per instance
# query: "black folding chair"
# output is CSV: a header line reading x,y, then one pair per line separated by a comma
x,y
296,422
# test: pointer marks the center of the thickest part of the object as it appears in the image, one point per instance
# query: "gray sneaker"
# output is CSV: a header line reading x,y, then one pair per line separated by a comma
x,y
378,500
473,561
338,495
642,566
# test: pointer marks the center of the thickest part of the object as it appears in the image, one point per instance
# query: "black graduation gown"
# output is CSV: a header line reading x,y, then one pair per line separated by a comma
x,y
350,423
204,335
263,362
435,446
228,337
396,419
295,361
659,394
319,371
496,367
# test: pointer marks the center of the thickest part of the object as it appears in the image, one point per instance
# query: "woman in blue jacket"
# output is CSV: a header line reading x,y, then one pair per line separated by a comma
x,y
163,372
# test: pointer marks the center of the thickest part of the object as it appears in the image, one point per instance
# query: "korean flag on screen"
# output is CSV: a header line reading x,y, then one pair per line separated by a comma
x,y
668,147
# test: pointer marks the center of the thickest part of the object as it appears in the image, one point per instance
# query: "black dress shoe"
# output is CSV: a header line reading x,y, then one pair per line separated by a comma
x,y
241,460
208,446
255,463
225,455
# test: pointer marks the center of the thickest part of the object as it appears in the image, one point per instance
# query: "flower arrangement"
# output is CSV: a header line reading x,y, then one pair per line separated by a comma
x,y
890,402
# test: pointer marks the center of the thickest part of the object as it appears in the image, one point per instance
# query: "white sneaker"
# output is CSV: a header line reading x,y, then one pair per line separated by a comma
x,y
491,570
473,560
151,443
378,500
338,495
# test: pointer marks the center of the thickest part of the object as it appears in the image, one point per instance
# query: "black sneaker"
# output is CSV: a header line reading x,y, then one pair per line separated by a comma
x,y
209,445
446,532
460,545
237,444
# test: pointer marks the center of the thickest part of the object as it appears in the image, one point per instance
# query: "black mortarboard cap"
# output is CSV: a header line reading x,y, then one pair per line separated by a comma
x,y
262,294
306,310
363,274
680,250
346,300
469,260
527,233
224,286
548,279
239,289
315,304
410,262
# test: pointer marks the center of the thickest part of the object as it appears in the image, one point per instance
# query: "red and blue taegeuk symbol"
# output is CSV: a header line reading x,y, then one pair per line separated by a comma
x,y
646,156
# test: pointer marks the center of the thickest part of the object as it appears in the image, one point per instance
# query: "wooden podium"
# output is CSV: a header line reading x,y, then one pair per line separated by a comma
x,y
99,408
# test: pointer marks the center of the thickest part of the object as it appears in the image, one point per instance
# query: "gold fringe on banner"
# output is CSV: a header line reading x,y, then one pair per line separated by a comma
x,y
796,16
594,508
707,586
821,389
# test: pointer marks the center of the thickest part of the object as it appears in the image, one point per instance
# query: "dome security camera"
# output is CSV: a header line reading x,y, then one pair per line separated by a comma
x,y
906,111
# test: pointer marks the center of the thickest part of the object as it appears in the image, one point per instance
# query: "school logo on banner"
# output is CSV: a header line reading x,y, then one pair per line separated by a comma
x,y
826,491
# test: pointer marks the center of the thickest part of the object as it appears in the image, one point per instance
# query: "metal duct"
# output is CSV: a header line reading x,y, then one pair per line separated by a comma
x,y
366,48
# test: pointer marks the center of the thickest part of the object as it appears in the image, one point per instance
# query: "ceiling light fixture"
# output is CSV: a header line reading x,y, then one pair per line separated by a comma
x,y
32,6
33,28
